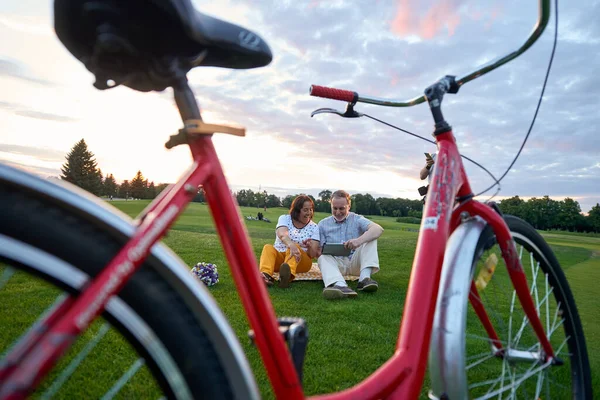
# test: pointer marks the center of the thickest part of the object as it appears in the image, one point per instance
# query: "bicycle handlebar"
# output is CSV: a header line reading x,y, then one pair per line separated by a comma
x,y
353,97
335,94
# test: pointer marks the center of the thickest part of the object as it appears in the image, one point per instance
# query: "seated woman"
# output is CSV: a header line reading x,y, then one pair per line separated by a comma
x,y
289,255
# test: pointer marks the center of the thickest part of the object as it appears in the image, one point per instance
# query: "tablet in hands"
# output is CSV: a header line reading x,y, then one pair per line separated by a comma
x,y
335,249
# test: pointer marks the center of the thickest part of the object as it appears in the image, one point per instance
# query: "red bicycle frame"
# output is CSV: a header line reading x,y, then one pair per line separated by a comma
x,y
400,377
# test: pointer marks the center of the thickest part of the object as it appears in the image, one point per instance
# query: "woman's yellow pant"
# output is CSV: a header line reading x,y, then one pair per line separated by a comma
x,y
271,259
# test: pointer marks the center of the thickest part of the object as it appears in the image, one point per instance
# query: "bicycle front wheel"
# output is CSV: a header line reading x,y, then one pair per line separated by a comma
x,y
519,370
147,344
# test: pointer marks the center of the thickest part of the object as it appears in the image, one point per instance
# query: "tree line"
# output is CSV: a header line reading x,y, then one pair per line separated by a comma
x,y
364,204
81,169
543,213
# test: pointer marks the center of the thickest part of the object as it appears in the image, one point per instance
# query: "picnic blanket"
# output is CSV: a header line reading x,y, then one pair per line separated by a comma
x,y
314,275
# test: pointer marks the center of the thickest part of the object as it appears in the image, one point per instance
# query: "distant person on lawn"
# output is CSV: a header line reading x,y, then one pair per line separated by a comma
x,y
290,254
358,234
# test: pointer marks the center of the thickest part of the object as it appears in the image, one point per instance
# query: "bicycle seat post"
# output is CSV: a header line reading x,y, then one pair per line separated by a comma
x,y
185,100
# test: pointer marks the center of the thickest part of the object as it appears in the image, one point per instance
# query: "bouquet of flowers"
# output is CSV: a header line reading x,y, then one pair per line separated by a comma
x,y
207,273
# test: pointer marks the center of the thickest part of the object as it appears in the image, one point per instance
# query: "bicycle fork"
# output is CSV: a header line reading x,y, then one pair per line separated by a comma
x,y
519,281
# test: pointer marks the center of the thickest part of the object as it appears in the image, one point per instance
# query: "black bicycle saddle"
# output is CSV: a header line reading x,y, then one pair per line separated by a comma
x,y
145,44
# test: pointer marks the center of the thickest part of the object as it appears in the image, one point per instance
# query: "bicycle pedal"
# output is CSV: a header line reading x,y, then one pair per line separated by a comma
x,y
295,333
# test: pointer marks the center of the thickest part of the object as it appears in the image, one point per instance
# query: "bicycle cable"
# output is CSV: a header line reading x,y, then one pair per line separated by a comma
x,y
537,109
432,142
497,181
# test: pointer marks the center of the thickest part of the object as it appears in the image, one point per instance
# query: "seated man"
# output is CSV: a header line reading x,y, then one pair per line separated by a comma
x,y
359,235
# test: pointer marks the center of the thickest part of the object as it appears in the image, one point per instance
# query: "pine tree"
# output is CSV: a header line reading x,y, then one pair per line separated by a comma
x,y
138,186
82,170
125,189
110,186
160,187
151,191
146,193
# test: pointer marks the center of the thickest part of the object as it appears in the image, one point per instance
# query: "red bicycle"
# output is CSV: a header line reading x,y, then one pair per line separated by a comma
x,y
521,337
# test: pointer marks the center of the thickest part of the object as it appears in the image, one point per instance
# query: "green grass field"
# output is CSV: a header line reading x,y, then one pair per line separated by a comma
x,y
348,339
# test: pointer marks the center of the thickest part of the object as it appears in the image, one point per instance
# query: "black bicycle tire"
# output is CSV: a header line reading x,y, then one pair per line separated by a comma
x,y
581,376
71,237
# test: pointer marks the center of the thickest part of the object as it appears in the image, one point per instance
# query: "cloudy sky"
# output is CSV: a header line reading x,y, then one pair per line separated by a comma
x,y
384,48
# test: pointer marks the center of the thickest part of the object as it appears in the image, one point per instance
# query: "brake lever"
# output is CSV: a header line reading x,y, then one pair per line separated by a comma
x,y
349,113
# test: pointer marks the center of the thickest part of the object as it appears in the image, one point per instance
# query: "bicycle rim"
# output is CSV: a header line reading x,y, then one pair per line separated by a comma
x,y
147,343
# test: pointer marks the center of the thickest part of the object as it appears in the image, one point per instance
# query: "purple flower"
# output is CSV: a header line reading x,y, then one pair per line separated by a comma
x,y
207,273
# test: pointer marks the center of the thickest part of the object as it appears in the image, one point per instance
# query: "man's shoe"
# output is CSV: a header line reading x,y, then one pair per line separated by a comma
x,y
268,279
285,275
338,292
367,285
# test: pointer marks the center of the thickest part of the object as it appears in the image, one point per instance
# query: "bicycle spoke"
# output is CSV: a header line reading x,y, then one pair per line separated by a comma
x,y
555,383
70,369
124,379
560,323
538,386
509,383
499,319
561,346
499,285
493,386
534,347
492,382
533,291
530,372
558,310
524,324
22,344
504,372
520,370
547,311
546,297
6,275
477,356
484,338
483,359
510,318
512,383
494,314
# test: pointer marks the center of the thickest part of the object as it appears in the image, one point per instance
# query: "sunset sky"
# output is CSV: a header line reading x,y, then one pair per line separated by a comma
x,y
384,48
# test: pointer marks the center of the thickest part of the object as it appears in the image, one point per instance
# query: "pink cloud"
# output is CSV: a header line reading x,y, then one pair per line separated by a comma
x,y
476,15
440,16
395,79
403,22
410,20
494,14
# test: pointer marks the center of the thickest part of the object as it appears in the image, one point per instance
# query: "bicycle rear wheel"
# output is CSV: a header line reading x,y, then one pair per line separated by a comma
x,y
47,250
519,371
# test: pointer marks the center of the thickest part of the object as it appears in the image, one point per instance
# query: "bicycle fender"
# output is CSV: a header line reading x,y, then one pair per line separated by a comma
x,y
447,335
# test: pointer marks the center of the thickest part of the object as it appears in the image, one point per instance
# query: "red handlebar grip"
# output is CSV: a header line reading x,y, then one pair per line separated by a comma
x,y
335,94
